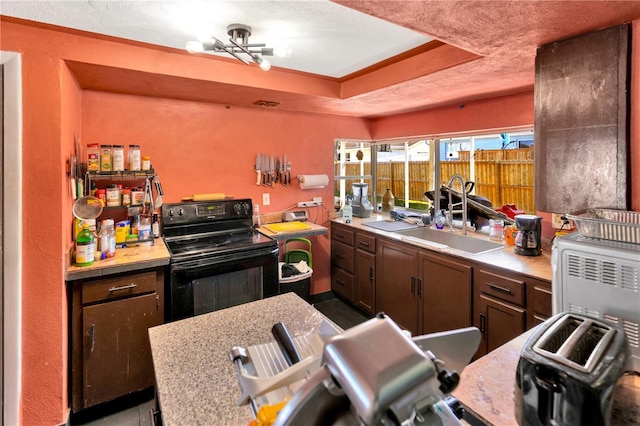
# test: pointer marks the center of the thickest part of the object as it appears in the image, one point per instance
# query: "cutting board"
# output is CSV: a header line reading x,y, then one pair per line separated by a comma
x,y
286,227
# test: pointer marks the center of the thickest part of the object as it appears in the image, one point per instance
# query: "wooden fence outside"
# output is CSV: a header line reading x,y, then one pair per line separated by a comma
x,y
502,176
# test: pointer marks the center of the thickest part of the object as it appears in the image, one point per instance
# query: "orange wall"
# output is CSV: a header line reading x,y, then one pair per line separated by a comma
x,y
188,142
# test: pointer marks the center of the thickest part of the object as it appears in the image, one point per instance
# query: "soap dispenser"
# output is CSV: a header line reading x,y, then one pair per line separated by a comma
x,y
440,220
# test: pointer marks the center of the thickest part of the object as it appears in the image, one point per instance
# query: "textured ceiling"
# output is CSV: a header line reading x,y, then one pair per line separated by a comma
x,y
489,50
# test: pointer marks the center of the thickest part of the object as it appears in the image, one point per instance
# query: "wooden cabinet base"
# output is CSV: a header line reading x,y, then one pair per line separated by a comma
x,y
111,356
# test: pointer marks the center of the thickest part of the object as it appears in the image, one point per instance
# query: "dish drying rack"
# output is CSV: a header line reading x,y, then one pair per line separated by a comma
x,y
609,224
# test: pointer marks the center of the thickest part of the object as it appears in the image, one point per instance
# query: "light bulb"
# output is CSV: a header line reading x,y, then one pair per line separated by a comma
x,y
282,51
195,47
264,64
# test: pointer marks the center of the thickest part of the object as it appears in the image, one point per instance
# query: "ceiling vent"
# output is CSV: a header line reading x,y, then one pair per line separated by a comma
x,y
268,104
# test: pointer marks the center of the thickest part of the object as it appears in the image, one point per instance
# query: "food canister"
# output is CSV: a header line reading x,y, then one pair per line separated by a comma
x,y
134,157
126,197
93,157
113,196
117,153
105,158
146,162
137,197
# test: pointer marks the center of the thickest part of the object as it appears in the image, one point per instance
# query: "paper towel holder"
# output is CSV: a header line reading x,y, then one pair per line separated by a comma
x,y
313,181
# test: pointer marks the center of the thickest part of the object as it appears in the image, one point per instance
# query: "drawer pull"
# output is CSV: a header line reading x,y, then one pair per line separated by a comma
x,y
124,287
339,281
500,288
364,243
340,236
370,273
92,336
340,255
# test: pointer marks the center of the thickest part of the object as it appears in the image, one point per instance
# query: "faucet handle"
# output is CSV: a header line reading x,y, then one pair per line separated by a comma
x,y
470,185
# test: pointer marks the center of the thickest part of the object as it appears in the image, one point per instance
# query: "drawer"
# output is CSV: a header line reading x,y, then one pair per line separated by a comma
x,y
501,287
342,283
366,242
342,234
113,288
342,255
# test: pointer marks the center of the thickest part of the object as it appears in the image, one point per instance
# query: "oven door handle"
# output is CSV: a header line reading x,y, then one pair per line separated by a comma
x,y
217,260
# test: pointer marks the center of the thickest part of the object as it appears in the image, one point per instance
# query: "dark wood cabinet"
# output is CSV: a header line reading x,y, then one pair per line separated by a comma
x,y
445,292
342,261
111,356
507,304
498,322
397,283
365,272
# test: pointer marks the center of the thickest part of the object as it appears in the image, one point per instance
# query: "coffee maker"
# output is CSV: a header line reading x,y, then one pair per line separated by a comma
x,y
361,206
528,238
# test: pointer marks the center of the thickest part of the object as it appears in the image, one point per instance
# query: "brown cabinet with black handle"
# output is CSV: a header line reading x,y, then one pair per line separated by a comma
x,y
342,261
110,350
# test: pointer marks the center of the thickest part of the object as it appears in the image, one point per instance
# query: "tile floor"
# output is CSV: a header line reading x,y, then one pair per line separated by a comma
x,y
136,411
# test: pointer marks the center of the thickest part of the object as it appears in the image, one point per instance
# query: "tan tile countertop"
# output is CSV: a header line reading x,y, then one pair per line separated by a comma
x,y
487,388
126,259
533,266
196,383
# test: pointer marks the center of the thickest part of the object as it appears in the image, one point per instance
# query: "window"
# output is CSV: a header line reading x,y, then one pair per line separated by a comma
x,y
500,164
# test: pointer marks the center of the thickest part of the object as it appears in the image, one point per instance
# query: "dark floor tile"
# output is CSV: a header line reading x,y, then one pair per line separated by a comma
x,y
342,313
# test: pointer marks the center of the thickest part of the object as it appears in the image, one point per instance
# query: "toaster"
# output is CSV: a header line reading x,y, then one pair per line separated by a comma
x,y
568,370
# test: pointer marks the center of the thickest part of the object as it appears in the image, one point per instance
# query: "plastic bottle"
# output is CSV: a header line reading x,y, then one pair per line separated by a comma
x,y
347,212
85,247
134,157
440,220
108,238
106,162
117,153
144,229
146,162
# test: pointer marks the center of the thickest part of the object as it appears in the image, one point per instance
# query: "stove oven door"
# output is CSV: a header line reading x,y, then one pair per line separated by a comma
x,y
221,281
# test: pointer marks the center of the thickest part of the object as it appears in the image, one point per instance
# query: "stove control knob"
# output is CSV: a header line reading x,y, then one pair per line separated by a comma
x,y
180,212
170,213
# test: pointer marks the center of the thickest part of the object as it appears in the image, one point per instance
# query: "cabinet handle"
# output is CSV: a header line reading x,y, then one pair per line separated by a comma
x,y
413,285
370,273
157,300
342,283
92,336
363,243
499,288
420,287
124,287
483,321
340,236
340,256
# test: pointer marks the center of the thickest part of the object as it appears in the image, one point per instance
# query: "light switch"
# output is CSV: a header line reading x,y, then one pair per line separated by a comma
x,y
266,199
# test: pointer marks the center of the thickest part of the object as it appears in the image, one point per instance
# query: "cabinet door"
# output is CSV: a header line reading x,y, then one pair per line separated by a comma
x,y
396,284
365,280
116,350
445,294
499,322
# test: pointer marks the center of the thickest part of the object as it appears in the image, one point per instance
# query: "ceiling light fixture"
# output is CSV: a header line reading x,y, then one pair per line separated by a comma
x,y
239,39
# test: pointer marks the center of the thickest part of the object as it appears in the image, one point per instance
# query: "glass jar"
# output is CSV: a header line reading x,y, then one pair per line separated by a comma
x,y
134,157
105,158
113,196
117,153
93,157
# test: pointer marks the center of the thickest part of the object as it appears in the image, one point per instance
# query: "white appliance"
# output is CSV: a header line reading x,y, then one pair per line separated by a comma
x,y
600,278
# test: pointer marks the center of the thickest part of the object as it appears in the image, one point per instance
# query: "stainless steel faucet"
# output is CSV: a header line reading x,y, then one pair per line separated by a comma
x,y
464,204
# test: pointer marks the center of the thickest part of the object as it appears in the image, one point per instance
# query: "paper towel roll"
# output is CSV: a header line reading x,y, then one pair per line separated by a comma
x,y
313,181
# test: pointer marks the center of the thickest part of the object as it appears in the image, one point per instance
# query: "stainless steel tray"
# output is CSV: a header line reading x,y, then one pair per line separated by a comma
x,y
609,224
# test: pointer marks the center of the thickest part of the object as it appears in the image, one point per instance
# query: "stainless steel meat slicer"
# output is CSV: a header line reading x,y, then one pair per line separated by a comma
x,y
371,374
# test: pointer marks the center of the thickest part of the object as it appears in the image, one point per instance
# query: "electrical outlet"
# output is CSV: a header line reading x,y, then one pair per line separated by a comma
x,y
266,199
557,222
309,203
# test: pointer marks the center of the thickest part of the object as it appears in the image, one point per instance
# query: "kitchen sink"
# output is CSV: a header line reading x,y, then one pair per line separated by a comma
x,y
445,239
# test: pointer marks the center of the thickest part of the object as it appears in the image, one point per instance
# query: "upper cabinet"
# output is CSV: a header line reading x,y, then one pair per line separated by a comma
x,y
581,113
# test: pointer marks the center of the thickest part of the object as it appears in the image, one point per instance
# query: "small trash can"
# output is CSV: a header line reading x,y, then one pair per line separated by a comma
x,y
299,284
